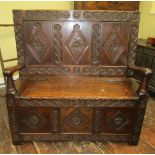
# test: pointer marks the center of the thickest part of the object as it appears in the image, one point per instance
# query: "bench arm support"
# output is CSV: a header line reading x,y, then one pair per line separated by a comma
x,y
145,74
8,72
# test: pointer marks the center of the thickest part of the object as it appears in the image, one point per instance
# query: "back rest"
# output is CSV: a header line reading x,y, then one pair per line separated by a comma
x,y
75,42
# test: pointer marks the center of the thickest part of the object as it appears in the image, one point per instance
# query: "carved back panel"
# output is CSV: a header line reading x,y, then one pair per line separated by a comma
x,y
75,42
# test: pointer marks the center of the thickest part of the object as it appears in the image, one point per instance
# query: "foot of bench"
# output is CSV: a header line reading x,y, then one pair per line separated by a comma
x,y
15,142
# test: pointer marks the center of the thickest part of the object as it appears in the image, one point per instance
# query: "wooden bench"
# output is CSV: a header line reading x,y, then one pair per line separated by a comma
x,y
75,77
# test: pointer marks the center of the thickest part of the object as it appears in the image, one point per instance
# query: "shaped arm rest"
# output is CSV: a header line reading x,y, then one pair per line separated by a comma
x,y
142,70
8,72
145,74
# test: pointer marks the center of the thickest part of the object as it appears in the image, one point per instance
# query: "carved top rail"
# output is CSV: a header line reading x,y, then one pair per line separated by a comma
x,y
93,15
77,42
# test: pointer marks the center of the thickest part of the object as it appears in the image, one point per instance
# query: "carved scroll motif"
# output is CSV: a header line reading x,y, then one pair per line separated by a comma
x,y
46,15
48,70
103,71
107,16
96,31
58,54
95,102
133,45
109,71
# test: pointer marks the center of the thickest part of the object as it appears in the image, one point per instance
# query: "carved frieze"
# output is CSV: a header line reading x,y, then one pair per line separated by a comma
x,y
107,16
47,70
46,15
103,71
96,102
109,71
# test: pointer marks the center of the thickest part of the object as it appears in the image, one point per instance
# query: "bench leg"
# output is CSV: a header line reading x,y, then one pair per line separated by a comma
x,y
134,140
14,127
138,126
10,100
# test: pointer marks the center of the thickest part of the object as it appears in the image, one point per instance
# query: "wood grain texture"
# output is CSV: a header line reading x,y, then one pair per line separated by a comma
x,y
76,86
146,145
86,55
57,38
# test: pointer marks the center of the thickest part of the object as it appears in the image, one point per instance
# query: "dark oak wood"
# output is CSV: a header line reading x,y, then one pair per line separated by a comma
x,y
74,77
146,143
146,58
99,5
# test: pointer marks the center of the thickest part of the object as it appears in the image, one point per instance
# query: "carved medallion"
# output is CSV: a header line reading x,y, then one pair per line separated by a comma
x,y
76,14
76,119
118,121
34,120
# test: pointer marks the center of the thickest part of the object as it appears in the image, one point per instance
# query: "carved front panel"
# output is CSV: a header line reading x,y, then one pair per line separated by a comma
x,y
34,120
76,120
117,120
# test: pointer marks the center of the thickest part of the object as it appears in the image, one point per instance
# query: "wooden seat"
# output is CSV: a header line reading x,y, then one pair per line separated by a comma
x,y
75,77
79,87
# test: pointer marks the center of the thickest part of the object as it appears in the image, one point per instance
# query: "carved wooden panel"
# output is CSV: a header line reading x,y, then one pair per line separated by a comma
x,y
117,120
53,39
115,47
76,43
34,120
76,120
38,43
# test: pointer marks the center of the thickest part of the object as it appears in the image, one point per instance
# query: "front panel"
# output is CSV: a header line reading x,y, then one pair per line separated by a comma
x,y
71,120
